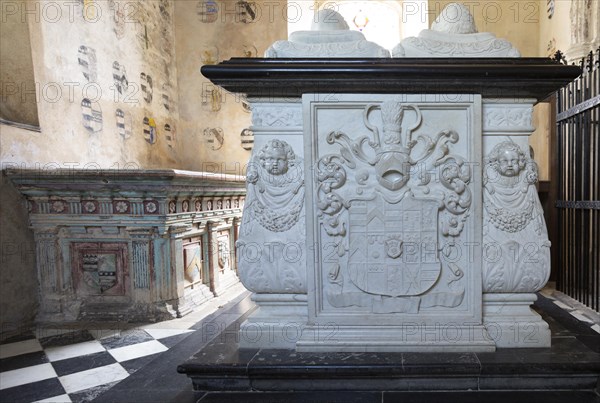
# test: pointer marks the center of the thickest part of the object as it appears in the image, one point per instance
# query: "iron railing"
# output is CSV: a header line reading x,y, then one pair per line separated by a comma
x,y
577,177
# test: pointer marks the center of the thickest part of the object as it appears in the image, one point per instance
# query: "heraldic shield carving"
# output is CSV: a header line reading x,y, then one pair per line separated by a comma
x,y
393,247
393,186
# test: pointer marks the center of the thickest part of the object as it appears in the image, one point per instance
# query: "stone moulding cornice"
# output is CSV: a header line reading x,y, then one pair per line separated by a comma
x,y
125,183
142,197
491,77
121,176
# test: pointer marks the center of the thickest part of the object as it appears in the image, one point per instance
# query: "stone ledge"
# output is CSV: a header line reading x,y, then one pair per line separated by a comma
x,y
222,366
491,77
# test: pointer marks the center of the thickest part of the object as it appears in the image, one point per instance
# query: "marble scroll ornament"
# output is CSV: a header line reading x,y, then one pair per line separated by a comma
x,y
271,254
516,245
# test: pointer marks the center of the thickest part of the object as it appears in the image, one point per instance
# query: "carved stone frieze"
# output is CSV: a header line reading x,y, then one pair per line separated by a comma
x,y
277,116
516,246
504,118
359,48
427,45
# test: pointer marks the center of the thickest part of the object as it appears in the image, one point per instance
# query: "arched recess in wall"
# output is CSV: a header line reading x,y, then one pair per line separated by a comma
x,y
18,104
384,22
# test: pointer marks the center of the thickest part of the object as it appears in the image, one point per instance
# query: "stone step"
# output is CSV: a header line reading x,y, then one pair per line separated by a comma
x,y
223,366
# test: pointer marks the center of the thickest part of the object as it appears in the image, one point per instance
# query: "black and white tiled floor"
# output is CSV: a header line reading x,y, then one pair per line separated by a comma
x,y
140,364
77,366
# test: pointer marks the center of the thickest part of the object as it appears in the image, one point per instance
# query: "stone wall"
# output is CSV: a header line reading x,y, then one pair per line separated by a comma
x,y
105,80
17,88
18,275
207,32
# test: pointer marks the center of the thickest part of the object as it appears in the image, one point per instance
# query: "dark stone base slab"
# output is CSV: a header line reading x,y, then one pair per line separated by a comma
x,y
571,364
220,366
385,397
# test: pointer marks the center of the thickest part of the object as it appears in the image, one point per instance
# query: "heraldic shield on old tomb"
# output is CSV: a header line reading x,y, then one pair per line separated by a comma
x,y
397,262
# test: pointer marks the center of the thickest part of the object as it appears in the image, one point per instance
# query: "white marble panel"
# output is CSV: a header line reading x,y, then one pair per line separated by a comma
x,y
93,377
20,347
137,350
56,399
395,219
162,333
22,376
74,350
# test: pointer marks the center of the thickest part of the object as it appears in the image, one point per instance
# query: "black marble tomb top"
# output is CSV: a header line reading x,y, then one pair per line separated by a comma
x,y
491,77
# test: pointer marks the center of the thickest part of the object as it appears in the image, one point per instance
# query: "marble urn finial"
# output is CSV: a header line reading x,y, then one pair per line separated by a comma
x,y
329,36
454,34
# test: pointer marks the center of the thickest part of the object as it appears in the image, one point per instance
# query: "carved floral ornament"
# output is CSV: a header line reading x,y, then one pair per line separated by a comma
x,y
121,206
59,206
89,206
125,206
151,206
376,200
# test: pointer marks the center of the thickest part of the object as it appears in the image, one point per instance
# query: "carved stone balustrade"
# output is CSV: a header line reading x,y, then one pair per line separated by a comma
x,y
131,245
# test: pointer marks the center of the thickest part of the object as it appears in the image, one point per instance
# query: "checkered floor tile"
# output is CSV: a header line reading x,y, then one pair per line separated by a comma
x,y
77,366
59,365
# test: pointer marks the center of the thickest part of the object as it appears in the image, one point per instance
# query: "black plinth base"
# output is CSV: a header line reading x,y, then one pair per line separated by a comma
x,y
572,363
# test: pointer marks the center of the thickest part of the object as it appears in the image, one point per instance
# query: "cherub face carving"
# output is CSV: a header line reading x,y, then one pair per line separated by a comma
x,y
275,157
508,163
507,159
275,161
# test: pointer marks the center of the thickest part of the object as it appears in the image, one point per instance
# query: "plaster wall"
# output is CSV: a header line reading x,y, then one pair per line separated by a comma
x,y
211,120
16,66
555,33
91,62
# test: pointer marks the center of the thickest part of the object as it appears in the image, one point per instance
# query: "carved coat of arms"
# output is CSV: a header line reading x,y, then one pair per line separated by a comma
x,y
383,212
100,271
393,247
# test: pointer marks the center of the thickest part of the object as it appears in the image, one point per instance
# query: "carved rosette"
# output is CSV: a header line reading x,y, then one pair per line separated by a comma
x,y
516,254
384,215
270,258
